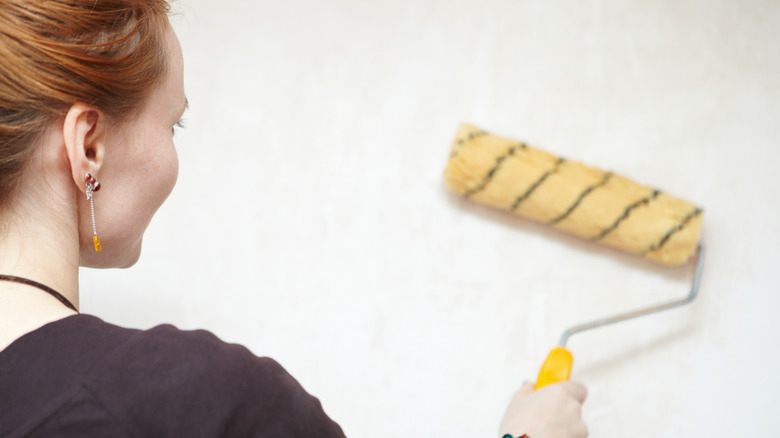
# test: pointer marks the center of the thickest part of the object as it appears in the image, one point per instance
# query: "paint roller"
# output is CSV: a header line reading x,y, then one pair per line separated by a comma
x,y
593,204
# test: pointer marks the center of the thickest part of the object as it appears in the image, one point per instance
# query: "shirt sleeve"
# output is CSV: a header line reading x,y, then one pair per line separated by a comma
x,y
168,382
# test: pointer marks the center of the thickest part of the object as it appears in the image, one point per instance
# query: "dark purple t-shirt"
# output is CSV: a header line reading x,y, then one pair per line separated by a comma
x,y
80,377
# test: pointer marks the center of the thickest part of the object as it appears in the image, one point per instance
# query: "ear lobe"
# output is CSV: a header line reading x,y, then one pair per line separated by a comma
x,y
84,131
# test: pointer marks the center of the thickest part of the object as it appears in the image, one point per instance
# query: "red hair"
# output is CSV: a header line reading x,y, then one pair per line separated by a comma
x,y
54,53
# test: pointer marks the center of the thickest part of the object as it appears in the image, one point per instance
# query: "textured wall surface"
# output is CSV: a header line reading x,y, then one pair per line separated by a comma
x,y
311,223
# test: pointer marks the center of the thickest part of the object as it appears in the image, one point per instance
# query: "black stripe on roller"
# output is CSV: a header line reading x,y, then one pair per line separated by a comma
x,y
464,140
587,192
536,185
493,171
641,202
697,211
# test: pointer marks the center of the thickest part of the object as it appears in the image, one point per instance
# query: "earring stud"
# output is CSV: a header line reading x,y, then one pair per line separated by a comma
x,y
92,187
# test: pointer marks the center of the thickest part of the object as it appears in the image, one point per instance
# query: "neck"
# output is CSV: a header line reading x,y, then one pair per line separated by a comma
x,y
46,253
44,249
32,255
39,241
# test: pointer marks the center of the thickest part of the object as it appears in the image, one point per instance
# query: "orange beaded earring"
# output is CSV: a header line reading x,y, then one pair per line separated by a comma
x,y
92,187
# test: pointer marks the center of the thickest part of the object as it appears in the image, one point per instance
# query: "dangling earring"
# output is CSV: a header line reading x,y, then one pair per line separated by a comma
x,y
92,187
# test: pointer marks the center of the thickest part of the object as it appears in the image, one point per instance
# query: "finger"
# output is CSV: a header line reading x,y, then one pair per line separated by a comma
x,y
580,430
576,390
526,389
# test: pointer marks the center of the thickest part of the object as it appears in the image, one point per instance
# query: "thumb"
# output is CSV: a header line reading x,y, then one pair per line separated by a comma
x,y
527,389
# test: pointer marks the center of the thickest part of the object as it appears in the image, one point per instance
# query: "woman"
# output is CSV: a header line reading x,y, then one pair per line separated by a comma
x,y
90,94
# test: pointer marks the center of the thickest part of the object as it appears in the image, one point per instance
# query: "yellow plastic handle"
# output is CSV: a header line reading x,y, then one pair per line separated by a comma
x,y
556,368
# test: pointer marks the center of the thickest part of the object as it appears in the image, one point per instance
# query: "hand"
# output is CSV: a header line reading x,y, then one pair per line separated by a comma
x,y
554,411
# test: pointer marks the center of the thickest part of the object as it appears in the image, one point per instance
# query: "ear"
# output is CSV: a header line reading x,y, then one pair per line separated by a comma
x,y
85,132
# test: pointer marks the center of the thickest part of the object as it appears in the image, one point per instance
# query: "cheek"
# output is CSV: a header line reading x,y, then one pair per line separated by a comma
x,y
169,172
158,172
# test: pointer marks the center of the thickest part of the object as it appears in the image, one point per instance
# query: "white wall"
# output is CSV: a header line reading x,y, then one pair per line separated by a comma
x,y
310,222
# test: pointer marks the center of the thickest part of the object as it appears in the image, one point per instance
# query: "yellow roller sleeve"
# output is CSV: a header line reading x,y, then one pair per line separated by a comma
x,y
590,203
556,368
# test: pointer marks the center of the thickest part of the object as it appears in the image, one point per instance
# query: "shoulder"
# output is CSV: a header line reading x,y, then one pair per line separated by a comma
x,y
158,382
164,379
